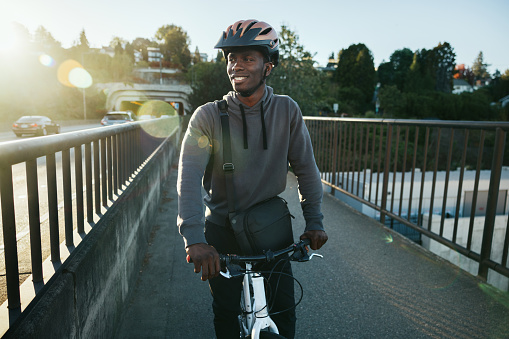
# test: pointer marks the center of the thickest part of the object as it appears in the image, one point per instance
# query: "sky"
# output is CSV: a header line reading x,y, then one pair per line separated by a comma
x,y
323,27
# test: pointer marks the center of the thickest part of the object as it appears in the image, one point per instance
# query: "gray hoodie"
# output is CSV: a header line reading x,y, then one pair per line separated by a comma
x,y
259,173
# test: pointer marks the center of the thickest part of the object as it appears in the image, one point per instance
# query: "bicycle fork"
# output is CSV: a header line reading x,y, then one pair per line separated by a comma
x,y
256,308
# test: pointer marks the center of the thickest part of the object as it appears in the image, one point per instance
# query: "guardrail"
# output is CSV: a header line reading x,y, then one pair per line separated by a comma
x,y
383,164
105,160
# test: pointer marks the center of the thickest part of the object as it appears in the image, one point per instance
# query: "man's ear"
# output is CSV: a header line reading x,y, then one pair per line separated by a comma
x,y
268,69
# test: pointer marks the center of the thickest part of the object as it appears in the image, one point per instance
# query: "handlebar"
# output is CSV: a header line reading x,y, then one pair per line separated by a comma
x,y
299,254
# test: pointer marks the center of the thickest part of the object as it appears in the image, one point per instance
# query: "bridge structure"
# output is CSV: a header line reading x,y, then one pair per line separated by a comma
x,y
123,97
115,262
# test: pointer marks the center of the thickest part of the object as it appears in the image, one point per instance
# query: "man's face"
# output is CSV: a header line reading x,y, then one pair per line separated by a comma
x,y
246,70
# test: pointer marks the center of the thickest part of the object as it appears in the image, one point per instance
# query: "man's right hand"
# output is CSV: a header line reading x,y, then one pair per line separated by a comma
x,y
205,259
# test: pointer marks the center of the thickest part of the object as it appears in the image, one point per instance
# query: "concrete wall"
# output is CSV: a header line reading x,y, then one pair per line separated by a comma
x,y
87,295
467,264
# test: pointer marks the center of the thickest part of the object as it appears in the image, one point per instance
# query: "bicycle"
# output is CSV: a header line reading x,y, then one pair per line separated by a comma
x,y
254,320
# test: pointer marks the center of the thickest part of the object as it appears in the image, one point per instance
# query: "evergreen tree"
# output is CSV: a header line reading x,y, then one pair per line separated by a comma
x,y
356,69
480,68
196,56
83,43
443,59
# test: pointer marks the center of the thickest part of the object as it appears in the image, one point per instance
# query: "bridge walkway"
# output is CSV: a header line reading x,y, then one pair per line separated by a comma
x,y
372,283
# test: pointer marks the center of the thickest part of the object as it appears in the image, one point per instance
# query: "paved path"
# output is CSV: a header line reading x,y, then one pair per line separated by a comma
x,y
372,283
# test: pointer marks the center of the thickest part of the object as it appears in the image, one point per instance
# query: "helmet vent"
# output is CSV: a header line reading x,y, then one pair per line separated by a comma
x,y
250,25
238,26
266,31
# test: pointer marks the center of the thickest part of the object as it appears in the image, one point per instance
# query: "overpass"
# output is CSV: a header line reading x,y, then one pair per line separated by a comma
x,y
122,97
375,282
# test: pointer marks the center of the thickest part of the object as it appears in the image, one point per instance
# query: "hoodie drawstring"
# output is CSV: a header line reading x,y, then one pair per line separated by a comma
x,y
244,126
263,128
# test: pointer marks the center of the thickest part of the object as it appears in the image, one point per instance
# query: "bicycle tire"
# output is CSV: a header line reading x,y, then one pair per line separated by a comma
x,y
270,335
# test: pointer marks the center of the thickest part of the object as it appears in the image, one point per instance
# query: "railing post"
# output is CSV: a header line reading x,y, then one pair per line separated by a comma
x,y
51,182
385,184
9,232
491,208
78,168
334,158
66,175
34,220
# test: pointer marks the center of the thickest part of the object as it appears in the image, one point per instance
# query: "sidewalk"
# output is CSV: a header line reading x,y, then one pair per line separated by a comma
x,y
372,283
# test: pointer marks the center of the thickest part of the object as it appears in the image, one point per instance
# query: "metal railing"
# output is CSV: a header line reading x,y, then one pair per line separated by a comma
x,y
97,164
399,168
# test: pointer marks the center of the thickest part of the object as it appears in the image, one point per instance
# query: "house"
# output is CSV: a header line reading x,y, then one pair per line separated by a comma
x,y
504,101
460,86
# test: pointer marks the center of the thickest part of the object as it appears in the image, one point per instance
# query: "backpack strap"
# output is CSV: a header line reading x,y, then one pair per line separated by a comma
x,y
228,167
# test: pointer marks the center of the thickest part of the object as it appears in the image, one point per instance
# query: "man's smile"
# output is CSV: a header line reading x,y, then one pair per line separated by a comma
x,y
238,78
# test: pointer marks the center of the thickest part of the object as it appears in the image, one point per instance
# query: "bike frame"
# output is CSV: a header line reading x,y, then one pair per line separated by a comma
x,y
257,317
256,311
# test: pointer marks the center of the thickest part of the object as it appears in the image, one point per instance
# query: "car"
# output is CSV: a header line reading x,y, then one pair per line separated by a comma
x,y
117,117
35,125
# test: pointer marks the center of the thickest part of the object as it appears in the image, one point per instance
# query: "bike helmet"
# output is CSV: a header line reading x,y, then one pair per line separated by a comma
x,y
254,33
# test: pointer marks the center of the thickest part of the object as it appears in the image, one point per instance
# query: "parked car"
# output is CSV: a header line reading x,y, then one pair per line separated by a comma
x,y
117,117
35,125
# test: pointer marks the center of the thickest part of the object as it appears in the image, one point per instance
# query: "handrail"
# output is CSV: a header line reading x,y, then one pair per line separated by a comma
x,y
17,151
489,125
367,159
105,159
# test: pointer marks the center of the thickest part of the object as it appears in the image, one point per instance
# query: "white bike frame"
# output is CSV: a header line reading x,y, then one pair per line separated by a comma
x,y
256,306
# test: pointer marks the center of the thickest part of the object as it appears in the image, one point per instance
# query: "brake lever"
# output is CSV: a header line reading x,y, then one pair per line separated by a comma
x,y
307,257
232,270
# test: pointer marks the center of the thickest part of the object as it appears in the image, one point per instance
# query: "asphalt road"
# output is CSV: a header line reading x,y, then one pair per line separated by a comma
x,y
371,283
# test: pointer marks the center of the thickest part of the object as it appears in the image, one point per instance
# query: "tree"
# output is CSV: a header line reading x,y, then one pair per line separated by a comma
x,y
356,69
480,68
443,58
196,56
392,101
45,42
141,44
209,82
464,73
296,75
82,43
174,44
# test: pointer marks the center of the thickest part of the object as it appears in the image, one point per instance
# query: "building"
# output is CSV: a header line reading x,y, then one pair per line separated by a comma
x,y
460,86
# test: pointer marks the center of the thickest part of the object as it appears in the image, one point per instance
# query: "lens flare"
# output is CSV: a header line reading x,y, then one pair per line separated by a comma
x,y
71,74
80,78
388,238
156,108
64,69
46,60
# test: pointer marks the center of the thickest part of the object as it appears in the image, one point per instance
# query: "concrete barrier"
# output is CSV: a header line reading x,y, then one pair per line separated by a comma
x,y
87,295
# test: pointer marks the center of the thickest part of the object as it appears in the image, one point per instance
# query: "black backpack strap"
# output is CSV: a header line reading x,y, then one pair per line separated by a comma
x,y
228,167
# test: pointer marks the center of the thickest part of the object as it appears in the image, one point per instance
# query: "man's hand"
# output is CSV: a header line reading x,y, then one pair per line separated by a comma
x,y
318,238
205,259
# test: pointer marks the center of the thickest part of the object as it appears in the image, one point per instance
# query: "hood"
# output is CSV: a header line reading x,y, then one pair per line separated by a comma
x,y
236,107
234,102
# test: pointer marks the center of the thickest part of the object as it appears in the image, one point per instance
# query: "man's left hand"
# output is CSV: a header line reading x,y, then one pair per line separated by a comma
x,y
317,238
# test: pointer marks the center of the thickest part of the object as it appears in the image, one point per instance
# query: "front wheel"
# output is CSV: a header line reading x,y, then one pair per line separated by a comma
x,y
270,335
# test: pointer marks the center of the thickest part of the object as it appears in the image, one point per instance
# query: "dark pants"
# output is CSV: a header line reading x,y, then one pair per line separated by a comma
x,y
226,293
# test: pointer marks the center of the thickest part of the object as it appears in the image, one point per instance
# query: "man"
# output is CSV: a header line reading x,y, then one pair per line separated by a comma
x,y
267,134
